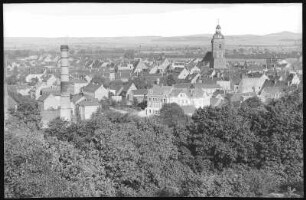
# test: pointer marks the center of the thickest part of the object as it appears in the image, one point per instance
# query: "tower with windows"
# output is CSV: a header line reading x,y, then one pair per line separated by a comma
x,y
218,50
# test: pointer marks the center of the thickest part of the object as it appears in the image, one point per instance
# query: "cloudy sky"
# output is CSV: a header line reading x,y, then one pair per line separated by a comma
x,y
112,20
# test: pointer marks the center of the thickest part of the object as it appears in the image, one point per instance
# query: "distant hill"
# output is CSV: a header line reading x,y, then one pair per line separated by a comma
x,y
281,38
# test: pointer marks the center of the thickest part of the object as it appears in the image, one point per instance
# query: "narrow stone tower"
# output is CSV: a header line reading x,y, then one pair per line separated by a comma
x,y
218,50
65,111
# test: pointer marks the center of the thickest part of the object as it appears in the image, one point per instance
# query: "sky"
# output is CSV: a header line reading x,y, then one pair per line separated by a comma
x,y
144,19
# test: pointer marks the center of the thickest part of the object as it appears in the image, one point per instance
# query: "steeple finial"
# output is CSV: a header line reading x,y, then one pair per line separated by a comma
x,y
218,21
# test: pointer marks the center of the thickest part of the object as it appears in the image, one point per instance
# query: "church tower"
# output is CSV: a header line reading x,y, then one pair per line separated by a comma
x,y
218,50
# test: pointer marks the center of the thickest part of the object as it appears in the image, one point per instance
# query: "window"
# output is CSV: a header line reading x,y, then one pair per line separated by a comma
x,y
220,46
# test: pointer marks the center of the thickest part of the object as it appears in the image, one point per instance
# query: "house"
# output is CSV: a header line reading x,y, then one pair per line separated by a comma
x,y
255,68
293,79
23,89
153,78
51,90
39,76
115,90
112,75
140,65
183,96
88,78
163,65
37,89
76,99
194,69
193,78
123,75
225,85
217,99
127,91
49,79
272,92
177,64
95,90
12,102
87,108
49,101
251,84
157,96
208,88
153,70
76,85
140,95
125,66
183,74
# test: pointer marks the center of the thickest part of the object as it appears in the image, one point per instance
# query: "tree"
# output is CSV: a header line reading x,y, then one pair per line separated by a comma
x,y
143,105
29,113
33,81
221,136
28,170
129,54
141,83
170,80
100,80
12,80
173,115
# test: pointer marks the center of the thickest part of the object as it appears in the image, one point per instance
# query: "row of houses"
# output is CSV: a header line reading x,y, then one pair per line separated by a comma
x,y
191,96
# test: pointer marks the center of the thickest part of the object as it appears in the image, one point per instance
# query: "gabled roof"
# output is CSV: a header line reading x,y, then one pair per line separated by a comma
x,y
215,102
115,87
89,103
55,91
176,91
272,90
76,98
127,86
161,90
123,74
290,77
73,81
255,68
207,85
191,76
20,87
46,77
254,75
140,92
182,85
43,97
91,87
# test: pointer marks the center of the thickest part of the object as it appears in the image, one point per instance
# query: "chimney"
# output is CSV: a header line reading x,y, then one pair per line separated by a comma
x,y
65,111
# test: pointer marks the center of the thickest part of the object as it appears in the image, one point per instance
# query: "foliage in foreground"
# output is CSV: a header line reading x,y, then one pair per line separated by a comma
x,y
249,151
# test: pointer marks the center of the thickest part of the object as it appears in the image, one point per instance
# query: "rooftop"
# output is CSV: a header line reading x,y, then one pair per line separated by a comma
x,y
91,87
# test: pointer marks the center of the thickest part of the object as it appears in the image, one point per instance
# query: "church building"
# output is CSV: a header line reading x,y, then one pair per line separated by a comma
x,y
218,50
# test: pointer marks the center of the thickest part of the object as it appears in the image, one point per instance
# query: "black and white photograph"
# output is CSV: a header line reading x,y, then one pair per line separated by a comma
x,y
153,100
